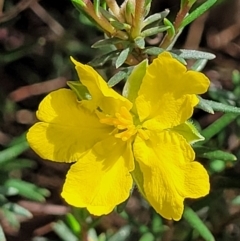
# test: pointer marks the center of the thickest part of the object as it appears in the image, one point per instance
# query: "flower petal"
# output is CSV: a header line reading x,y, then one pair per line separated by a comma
x,y
104,97
168,173
67,130
167,81
101,179
169,112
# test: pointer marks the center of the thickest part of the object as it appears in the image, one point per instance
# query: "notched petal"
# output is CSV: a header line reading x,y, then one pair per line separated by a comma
x,y
168,173
101,179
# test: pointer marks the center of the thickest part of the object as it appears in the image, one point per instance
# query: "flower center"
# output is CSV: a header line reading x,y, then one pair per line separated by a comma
x,y
123,121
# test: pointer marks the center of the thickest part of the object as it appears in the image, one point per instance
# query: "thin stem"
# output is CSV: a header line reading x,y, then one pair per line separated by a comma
x,y
177,23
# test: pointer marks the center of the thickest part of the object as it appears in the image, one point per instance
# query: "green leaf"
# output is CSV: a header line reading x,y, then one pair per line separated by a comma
x,y
179,58
79,3
73,223
122,57
122,234
119,76
203,105
209,105
197,224
147,237
106,42
28,190
62,230
12,152
193,54
102,59
155,17
189,132
16,164
80,90
8,191
218,126
199,65
171,30
134,81
11,218
154,30
2,235
197,12
18,210
211,154
140,42
119,26
153,50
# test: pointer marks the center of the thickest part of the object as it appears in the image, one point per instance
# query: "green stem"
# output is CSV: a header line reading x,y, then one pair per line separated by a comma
x,y
218,125
177,23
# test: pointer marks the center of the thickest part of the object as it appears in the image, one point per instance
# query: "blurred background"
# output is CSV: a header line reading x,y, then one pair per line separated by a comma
x,y
36,40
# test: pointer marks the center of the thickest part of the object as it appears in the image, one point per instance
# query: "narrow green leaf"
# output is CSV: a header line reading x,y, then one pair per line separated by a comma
x,y
171,30
11,218
12,152
203,105
147,237
218,125
120,26
122,57
119,76
197,224
28,190
18,210
73,223
122,234
193,54
155,17
102,59
197,12
79,3
8,191
140,42
216,106
179,58
16,164
199,65
2,235
80,90
153,50
106,42
62,230
211,154
154,30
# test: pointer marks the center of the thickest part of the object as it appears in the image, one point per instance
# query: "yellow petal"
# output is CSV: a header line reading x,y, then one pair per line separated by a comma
x,y
169,112
101,179
67,130
166,81
104,97
168,173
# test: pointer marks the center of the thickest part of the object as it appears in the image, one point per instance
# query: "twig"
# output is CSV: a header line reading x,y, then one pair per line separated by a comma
x,y
15,11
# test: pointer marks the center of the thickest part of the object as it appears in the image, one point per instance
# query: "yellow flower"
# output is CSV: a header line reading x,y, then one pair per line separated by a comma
x,y
113,141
